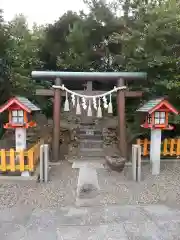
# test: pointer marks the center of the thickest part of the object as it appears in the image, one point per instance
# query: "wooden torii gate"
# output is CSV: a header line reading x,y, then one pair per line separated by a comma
x,y
117,77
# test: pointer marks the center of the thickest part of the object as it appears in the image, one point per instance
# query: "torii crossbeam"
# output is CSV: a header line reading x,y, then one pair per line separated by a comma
x,y
119,79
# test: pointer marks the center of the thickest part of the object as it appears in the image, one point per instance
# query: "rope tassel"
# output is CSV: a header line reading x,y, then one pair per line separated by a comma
x,y
90,98
66,104
89,113
99,110
78,108
110,107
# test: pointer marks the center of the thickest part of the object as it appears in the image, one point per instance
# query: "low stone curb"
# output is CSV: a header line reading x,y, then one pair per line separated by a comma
x,y
35,177
19,178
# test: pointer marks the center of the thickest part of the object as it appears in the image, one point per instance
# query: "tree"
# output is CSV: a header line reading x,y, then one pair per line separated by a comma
x,y
55,44
5,88
23,53
79,42
152,42
4,67
127,35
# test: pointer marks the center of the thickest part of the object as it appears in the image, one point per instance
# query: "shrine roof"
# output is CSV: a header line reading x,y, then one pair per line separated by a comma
x,y
155,104
149,105
88,75
23,102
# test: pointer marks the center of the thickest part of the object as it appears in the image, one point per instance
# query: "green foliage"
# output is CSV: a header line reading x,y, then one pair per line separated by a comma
x,y
23,55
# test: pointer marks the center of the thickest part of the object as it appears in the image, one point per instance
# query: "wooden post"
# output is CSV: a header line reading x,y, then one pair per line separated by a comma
x,y
121,119
56,121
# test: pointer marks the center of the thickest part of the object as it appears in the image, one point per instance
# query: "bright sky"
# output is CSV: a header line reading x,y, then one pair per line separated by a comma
x,y
39,11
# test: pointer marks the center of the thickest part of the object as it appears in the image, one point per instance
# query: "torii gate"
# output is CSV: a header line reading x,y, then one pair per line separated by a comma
x,y
117,77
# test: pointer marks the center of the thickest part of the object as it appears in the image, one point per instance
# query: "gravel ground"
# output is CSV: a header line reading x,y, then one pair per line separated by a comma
x,y
162,189
126,210
115,188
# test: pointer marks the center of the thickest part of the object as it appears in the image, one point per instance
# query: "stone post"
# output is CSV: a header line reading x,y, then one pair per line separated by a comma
x,y
155,150
136,162
20,139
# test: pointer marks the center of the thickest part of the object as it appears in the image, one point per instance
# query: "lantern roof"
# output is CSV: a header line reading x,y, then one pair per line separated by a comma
x,y
156,104
22,102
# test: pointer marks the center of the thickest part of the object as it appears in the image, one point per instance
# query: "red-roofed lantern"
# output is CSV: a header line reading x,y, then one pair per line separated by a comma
x,y
157,119
19,109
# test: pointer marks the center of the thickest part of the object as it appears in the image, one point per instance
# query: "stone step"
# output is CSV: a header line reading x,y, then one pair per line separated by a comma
x,y
87,159
92,153
90,137
90,127
87,124
83,133
84,149
90,143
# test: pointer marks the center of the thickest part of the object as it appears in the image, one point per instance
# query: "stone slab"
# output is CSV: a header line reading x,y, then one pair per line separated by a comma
x,y
102,232
88,185
125,214
110,222
87,202
162,212
93,164
147,230
171,228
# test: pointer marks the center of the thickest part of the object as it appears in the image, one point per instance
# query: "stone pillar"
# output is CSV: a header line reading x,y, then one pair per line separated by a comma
x,y
155,150
20,135
20,139
121,119
56,121
87,187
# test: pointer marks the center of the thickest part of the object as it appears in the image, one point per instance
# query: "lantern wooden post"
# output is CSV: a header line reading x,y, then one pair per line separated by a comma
x,y
121,119
56,120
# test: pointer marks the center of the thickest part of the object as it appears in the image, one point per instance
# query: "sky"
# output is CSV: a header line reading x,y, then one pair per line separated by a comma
x,y
39,11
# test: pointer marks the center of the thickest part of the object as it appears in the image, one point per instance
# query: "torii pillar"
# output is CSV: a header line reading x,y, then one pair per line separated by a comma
x,y
56,121
121,119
